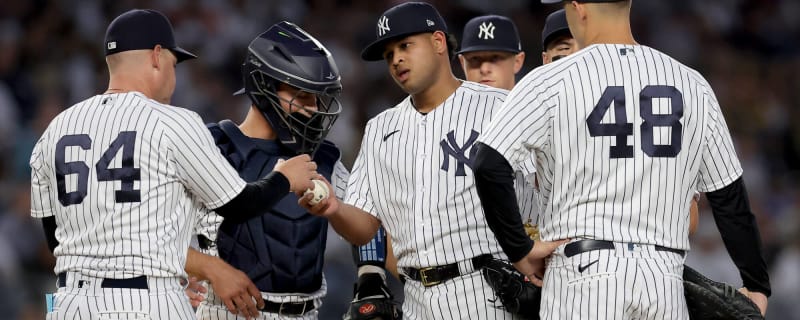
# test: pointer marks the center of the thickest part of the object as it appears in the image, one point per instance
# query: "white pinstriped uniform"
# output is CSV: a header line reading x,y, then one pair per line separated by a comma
x,y
213,308
426,199
593,188
133,173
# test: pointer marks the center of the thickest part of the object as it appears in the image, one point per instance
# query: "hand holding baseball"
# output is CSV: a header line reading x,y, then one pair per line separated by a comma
x,y
319,192
318,200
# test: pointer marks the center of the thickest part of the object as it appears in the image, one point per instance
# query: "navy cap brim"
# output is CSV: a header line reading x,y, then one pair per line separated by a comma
x,y
374,51
486,48
182,55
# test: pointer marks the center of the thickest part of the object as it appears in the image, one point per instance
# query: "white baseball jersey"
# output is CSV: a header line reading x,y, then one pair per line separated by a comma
x,y
123,175
620,136
413,172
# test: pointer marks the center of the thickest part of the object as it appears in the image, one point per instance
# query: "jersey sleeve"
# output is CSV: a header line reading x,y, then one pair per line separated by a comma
x,y
526,197
521,125
358,191
720,166
339,180
41,195
200,165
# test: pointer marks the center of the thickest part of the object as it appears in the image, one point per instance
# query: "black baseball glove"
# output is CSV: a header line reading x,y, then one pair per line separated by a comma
x,y
711,300
515,292
372,300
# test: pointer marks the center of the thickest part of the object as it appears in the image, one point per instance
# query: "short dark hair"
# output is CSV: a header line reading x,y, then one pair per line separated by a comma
x,y
452,46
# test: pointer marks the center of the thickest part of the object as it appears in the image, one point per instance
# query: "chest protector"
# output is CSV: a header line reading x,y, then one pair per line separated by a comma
x,y
282,251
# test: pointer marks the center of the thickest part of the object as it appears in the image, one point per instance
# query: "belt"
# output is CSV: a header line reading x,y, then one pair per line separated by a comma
x,y
139,282
432,276
288,308
578,247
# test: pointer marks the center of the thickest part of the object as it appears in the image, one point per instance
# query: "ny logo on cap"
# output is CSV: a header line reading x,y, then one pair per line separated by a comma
x,y
486,31
383,26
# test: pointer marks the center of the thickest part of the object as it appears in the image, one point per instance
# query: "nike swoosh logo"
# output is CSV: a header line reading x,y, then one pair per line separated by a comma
x,y
390,134
583,268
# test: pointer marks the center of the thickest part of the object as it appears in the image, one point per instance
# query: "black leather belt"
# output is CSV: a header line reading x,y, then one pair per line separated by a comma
x,y
578,247
288,308
432,276
139,282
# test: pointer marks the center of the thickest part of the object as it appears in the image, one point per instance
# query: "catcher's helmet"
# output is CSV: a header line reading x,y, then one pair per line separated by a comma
x,y
287,54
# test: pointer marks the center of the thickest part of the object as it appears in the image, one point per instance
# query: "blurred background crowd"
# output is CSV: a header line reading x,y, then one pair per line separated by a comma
x,y
51,57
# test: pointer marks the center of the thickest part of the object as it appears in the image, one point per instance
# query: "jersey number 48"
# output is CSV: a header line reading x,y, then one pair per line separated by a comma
x,y
127,174
621,128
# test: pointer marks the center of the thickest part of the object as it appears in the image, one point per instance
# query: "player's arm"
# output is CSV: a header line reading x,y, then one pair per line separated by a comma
x,y
494,180
739,231
353,224
233,286
259,196
720,177
205,172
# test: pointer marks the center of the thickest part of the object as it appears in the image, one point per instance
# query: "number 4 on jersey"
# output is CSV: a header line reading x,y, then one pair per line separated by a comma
x,y
622,129
127,174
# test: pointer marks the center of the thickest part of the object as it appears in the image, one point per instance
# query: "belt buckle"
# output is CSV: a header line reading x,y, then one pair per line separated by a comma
x,y
424,278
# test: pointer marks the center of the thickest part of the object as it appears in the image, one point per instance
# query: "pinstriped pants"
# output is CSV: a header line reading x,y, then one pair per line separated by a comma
x,y
464,297
632,281
165,299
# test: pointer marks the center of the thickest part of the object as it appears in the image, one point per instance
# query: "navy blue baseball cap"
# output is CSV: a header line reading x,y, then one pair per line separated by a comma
x,y
142,29
401,21
490,33
555,25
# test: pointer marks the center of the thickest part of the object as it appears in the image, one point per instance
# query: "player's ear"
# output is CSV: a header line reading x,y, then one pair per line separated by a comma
x,y
519,60
463,62
439,42
155,57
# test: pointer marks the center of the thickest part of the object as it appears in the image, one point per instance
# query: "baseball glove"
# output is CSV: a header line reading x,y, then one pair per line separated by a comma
x,y
517,294
711,300
372,300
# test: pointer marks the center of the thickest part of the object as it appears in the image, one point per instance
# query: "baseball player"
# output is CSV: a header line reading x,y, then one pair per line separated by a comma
x,y
413,172
617,182
491,52
117,180
557,41
293,84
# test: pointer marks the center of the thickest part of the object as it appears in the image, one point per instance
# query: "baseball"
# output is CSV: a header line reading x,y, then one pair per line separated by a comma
x,y
320,192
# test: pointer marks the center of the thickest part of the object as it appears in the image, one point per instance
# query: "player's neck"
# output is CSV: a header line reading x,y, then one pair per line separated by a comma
x,y
617,33
427,100
256,126
118,84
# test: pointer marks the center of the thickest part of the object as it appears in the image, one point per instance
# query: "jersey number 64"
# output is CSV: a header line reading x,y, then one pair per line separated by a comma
x,y
127,174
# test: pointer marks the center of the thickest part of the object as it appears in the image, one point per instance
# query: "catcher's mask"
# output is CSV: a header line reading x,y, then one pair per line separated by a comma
x,y
287,54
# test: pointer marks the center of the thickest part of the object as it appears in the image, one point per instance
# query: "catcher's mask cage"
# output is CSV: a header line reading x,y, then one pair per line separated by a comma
x,y
287,54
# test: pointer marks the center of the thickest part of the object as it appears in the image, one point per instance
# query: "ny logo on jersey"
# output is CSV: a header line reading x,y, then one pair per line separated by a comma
x,y
451,149
486,31
383,26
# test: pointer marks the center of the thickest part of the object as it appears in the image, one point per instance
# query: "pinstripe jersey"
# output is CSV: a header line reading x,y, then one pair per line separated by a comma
x,y
124,175
413,173
621,137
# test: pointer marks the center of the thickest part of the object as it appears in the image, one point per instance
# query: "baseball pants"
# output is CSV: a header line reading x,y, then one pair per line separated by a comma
x,y
84,297
628,281
466,297
213,308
